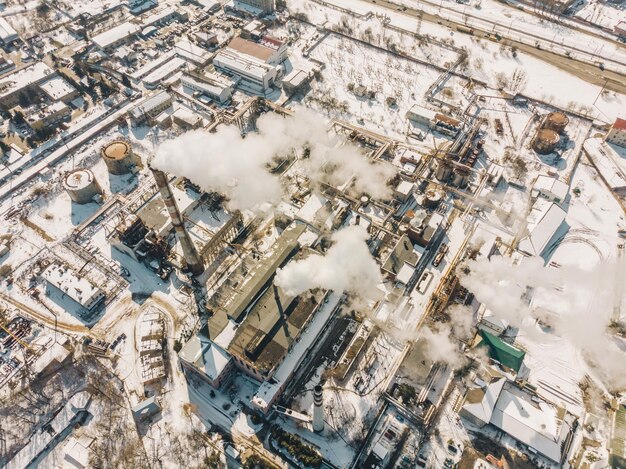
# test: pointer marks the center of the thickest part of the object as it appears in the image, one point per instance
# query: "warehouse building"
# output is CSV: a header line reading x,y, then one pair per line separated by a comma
x,y
68,283
7,33
217,87
146,111
254,76
521,414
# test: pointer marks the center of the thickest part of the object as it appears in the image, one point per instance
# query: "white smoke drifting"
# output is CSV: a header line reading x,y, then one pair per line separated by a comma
x,y
583,301
442,346
346,266
237,167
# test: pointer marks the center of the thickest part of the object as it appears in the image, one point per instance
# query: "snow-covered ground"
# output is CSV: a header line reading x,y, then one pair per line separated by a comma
x,y
489,61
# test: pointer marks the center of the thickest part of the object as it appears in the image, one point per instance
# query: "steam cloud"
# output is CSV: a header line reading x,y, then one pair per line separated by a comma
x,y
347,266
237,167
583,301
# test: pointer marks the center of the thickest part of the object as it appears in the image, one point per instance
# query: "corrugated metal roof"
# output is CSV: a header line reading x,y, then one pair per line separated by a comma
x,y
502,351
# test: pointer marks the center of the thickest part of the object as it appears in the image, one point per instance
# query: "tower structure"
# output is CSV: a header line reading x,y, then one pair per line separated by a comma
x,y
318,409
193,259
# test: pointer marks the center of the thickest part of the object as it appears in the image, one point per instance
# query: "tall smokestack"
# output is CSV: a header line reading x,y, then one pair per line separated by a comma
x,y
318,410
193,259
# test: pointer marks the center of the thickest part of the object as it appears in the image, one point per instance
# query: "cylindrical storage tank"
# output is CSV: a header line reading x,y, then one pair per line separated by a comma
x,y
460,178
365,200
432,198
81,185
118,157
444,170
556,121
546,141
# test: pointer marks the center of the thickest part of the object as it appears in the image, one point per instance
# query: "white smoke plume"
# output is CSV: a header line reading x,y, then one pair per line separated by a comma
x,y
223,162
583,301
237,167
442,346
346,266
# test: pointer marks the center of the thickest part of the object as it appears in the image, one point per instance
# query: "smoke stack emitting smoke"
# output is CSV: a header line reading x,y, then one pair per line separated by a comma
x,y
235,166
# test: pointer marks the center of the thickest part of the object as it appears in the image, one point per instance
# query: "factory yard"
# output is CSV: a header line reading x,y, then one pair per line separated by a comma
x,y
347,234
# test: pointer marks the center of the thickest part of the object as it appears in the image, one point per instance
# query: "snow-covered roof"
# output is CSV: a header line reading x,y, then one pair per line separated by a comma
x,y
77,451
309,212
211,84
205,355
77,288
549,185
7,33
405,274
24,77
192,52
296,78
481,401
161,15
495,321
148,67
538,237
530,420
420,112
116,34
149,104
57,88
242,64
164,71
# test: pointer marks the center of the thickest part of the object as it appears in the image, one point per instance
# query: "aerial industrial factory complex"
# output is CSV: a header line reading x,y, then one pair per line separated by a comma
x,y
351,234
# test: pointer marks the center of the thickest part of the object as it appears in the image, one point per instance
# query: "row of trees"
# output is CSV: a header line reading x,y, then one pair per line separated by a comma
x,y
300,451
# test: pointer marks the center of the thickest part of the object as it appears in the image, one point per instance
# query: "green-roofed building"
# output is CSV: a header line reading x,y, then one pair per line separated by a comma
x,y
502,352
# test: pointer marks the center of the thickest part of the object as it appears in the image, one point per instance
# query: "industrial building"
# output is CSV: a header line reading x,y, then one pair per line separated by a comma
x,y
254,76
217,87
24,80
202,358
7,33
434,120
295,80
116,36
268,50
147,110
192,53
74,412
258,326
39,116
57,89
543,223
549,188
401,262
251,6
518,412
69,283
617,133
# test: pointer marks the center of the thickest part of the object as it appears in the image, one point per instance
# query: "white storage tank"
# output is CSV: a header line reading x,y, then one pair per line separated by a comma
x,y
81,185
